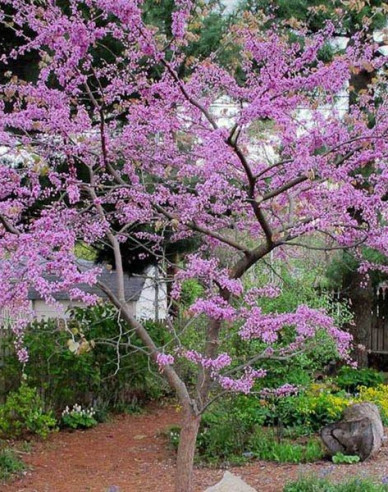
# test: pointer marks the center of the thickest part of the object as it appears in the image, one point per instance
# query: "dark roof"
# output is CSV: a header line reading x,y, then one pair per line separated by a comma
x,y
133,285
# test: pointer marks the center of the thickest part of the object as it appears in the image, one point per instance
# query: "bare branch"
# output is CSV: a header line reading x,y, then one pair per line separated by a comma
x,y
8,226
194,226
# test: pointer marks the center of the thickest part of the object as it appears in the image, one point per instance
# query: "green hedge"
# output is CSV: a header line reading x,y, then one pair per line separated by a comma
x,y
93,376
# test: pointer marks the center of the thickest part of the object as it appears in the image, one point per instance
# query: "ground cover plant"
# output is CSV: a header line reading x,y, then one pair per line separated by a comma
x,y
10,464
78,417
126,148
287,451
314,484
340,458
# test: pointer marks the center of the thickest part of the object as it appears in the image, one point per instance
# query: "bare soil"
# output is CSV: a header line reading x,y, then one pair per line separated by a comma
x,y
130,454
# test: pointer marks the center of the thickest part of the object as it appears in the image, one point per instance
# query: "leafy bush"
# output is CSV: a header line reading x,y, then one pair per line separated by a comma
x,y
377,395
322,404
350,379
311,409
231,433
226,429
10,464
23,413
223,442
321,409
89,377
78,418
314,484
191,289
216,445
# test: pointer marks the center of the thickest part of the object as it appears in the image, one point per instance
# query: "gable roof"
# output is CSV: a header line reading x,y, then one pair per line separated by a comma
x,y
133,286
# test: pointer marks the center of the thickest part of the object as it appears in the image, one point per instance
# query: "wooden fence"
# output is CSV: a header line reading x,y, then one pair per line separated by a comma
x,y
378,340
379,333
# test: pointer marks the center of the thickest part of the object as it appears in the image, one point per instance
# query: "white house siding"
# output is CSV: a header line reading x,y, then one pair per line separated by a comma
x,y
42,310
152,303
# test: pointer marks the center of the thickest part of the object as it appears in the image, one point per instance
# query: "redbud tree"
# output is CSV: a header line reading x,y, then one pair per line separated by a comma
x,y
110,143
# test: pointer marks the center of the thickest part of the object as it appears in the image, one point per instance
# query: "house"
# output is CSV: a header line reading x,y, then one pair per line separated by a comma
x,y
146,294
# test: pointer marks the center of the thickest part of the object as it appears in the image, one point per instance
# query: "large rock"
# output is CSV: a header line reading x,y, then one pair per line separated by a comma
x,y
360,432
231,483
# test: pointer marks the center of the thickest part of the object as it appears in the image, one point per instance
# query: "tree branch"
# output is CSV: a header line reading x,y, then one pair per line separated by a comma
x,y
8,226
169,372
195,227
187,96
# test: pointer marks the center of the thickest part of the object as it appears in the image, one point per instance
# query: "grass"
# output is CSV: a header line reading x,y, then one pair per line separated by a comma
x,y
10,464
265,446
313,484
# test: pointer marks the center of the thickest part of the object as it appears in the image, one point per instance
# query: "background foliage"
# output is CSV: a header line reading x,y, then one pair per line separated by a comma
x,y
115,374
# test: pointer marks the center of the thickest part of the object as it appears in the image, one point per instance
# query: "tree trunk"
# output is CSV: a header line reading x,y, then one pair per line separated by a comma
x,y
360,432
186,451
361,290
361,296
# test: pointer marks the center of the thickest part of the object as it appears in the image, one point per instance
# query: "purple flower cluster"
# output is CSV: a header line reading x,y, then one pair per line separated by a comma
x,y
221,361
164,360
162,161
243,384
285,390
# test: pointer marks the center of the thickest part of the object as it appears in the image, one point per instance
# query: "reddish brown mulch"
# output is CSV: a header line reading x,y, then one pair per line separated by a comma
x,y
130,453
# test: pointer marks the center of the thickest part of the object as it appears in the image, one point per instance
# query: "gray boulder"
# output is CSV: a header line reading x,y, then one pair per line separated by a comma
x,y
231,483
360,432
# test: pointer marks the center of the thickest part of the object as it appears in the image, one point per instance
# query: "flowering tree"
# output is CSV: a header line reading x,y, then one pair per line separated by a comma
x,y
369,20
117,148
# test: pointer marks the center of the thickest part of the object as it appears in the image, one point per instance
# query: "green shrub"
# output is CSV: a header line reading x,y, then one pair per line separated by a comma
x,y
322,404
223,442
23,413
10,464
350,379
313,408
190,291
318,410
377,395
89,377
225,430
231,433
313,484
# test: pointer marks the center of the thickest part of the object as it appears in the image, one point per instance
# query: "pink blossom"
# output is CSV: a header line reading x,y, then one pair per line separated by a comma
x,y
157,164
164,360
243,384
74,193
221,361
178,26
280,392
22,355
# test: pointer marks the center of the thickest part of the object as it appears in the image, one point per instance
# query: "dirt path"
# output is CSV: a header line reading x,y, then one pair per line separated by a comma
x,y
129,454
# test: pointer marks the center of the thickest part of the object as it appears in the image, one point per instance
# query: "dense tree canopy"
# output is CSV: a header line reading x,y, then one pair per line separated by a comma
x,y
349,16
119,155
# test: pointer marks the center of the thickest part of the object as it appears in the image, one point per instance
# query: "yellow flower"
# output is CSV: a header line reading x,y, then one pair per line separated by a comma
x,y
377,395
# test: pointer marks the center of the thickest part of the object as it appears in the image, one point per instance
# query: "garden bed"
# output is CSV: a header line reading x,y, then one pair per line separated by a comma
x,y
131,453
